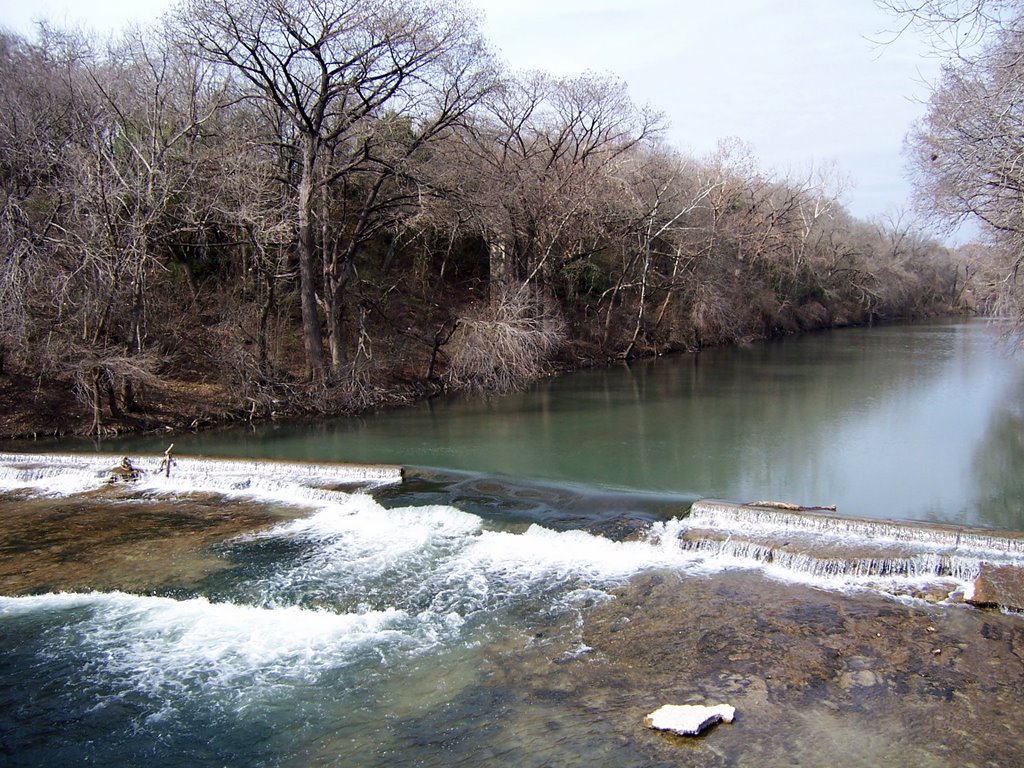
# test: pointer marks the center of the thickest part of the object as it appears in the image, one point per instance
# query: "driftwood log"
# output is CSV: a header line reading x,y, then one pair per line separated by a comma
x,y
790,507
167,461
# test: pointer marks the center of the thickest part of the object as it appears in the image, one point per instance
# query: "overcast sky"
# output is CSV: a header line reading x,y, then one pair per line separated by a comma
x,y
800,81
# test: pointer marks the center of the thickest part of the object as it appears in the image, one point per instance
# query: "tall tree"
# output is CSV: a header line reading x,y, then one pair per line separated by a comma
x,y
329,66
36,119
966,152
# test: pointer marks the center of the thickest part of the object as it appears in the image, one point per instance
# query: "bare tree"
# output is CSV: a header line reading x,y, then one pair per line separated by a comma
x,y
503,347
41,114
966,152
250,200
659,193
330,68
954,27
385,178
540,155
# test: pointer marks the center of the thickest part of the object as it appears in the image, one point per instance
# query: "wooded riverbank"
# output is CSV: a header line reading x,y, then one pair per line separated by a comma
x,y
221,218
32,407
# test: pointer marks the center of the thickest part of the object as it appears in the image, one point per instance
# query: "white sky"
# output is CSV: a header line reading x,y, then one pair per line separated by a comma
x,y
800,81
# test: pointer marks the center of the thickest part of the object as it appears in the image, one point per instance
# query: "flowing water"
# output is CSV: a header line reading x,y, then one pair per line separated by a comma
x,y
533,584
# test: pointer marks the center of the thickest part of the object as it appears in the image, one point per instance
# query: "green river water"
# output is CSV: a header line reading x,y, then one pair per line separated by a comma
x,y
922,422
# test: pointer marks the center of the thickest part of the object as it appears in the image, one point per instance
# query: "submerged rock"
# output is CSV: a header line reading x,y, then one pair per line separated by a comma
x,y
688,719
795,661
620,528
125,472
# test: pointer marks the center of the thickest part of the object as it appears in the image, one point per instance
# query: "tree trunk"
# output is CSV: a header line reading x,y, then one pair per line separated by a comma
x,y
108,385
335,318
95,385
336,282
641,309
669,292
128,400
499,268
263,330
312,338
338,271
138,315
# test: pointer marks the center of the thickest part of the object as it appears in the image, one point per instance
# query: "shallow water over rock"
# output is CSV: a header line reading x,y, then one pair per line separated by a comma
x,y
292,622
817,677
108,540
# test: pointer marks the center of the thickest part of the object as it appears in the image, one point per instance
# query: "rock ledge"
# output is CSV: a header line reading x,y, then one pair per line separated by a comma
x,y
688,719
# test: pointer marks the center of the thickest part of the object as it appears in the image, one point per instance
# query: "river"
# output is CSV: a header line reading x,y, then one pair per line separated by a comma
x,y
922,422
522,595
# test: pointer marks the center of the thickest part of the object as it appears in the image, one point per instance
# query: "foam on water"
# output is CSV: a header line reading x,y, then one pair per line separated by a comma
x,y
166,647
543,554
438,560
355,583
280,481
836,552
358,542
360,516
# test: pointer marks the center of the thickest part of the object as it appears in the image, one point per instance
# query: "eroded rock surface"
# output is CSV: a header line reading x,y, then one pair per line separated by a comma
x,y
820,677
999,586
105,540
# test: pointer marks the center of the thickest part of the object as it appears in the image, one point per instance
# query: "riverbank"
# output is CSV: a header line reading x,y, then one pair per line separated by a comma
x,y
34,407
31,408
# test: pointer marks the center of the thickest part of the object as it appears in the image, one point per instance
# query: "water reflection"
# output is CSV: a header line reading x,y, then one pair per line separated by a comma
x,y
998,465
916,422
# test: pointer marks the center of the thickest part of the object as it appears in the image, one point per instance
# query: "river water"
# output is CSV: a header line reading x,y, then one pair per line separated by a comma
x,y
921,422
522,597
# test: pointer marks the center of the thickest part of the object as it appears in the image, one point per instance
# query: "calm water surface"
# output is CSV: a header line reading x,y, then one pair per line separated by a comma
x,y
921,422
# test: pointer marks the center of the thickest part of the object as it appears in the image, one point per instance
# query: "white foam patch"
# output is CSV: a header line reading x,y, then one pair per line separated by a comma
x,y
363,529
541,553
164,645
438,562
362,517
363,526
436,567
360,551
286,482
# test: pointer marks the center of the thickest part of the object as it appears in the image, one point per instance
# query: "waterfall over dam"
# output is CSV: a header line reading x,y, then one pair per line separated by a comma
x,y
811,544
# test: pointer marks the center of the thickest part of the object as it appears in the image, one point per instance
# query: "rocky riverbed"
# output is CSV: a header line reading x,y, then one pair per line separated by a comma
x,y
106,541
817,677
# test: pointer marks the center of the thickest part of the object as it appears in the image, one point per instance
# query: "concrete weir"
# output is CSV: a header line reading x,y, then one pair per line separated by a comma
x,y
937,562
64,474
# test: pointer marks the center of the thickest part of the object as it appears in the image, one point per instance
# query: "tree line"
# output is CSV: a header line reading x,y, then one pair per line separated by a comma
x,y
966,152
316,204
